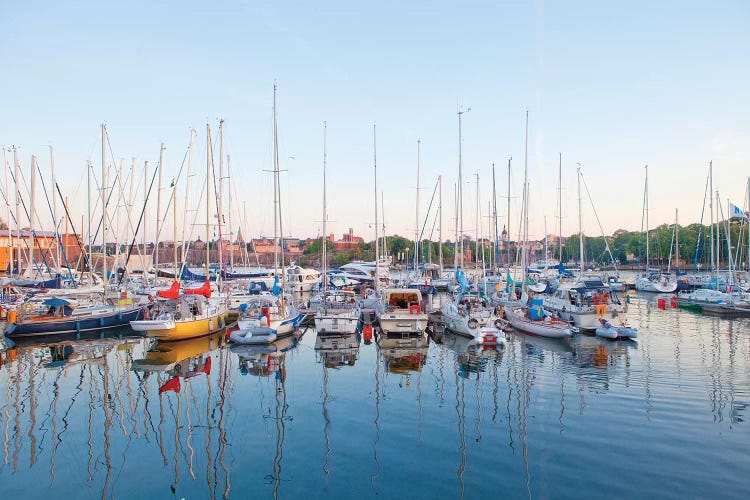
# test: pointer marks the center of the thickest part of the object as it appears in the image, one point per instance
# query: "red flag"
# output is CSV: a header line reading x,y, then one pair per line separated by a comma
x,y
172,384
207,366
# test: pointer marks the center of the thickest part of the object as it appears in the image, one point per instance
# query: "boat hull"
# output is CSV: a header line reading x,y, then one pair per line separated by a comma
x,y
540,328
616,332
191,328
73,325
647,285
341,324
399,325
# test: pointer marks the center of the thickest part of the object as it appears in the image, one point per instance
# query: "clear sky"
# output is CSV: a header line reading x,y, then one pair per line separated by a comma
x,y
612,85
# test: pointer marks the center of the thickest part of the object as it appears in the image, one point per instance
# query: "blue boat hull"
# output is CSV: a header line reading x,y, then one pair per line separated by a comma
x,y
67,326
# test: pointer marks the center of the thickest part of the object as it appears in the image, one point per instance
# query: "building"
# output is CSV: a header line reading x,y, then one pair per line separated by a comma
x,y
348,240
39,246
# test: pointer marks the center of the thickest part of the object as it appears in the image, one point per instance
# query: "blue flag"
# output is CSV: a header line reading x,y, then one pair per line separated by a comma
x,y
736,212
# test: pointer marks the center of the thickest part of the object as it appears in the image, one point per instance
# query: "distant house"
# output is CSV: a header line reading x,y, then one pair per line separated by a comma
x,y
348,240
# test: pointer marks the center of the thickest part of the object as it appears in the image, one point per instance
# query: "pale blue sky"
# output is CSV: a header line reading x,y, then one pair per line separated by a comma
x,y
611,85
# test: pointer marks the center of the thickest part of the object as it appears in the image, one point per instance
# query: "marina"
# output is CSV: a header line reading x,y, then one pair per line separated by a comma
x,y
374,250
326,416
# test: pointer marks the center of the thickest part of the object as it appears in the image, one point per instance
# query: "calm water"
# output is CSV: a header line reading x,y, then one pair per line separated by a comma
x,y
664,417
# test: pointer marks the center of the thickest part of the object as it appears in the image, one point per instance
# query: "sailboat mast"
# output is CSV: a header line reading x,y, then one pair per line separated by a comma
x,y
158,208
525,255
174,230
145,221
377,236
677,240
104,210
220,203
193,133
32,202
278,190
645,194
508,228
559,206
275,188
384,248
18,202
325,210
747,258
476,222
580,223
229,214
495,264
7,211
208,197
711,211
416,213
440,227
54,204
455,227
460,187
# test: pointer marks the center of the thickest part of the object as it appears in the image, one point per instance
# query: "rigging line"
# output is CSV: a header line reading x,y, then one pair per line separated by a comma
x,y
700,227
57,233
135,234
84,254
606,244
171,196
31,229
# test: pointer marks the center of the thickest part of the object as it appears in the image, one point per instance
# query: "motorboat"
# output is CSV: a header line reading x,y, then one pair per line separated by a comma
x,y
299,279
536,322
338,313
401,312
610,331
584,302
656,283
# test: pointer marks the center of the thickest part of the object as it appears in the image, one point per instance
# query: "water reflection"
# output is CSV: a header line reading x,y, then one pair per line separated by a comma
x,y
333,352
177,366
128,416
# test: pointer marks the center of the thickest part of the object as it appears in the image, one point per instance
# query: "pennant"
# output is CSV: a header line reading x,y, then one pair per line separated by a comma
x,y
736,212
172,384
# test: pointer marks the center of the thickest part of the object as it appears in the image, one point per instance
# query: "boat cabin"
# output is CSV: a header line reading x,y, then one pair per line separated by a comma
x,y
404,299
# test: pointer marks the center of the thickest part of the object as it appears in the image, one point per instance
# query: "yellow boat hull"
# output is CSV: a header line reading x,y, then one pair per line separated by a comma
x,y
192,328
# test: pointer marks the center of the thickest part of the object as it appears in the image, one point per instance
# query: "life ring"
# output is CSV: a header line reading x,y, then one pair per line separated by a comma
x,y
414,309
601,309
473,324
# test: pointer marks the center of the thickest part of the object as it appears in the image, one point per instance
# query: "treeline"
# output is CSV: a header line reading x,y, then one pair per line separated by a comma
x,y
627,247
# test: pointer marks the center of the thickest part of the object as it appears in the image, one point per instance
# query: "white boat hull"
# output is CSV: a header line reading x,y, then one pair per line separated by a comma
x,y
146,325
540,328
393,324
616,332
647,285
341,324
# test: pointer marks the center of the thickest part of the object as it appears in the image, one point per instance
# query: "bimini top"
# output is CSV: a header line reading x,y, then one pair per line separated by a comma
x,y
263,300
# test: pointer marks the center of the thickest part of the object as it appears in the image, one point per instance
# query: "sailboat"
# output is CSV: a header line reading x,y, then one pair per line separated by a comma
x,y
653,281
338,312
586,301
56,315
191,313
266,318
